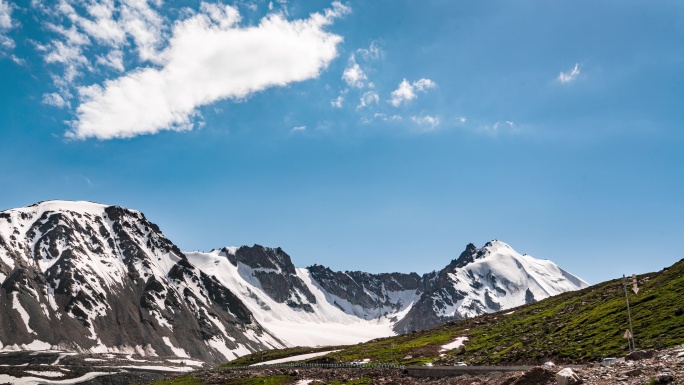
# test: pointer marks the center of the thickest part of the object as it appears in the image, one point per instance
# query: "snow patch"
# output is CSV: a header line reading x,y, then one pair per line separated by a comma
x,y
24,315
187,362
457,343
300,357
176,351
4,378
62,355
45,374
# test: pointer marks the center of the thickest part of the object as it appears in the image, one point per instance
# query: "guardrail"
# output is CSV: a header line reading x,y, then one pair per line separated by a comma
x,y
313,365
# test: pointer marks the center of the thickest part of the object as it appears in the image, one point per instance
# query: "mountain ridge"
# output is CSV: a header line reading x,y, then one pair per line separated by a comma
x,y
97,267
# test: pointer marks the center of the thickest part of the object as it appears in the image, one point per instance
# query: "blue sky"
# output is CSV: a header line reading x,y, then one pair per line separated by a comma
x,y
363,135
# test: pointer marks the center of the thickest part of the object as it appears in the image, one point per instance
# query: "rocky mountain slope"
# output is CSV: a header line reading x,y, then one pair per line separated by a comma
x,y
89,277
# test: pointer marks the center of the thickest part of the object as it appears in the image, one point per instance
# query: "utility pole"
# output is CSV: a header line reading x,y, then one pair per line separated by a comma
x,y
630,337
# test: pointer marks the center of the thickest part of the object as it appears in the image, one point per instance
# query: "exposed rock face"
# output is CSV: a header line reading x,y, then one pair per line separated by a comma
x,y
370,295
88,277
275,273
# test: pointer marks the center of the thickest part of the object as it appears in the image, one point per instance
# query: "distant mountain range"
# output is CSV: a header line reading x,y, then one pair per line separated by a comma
x,y
84,276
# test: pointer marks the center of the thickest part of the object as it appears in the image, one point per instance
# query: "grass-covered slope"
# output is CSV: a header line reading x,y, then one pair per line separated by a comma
x,y
578,326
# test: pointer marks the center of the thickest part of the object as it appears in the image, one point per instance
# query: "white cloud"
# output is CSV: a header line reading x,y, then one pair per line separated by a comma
x,y
429,123
5,15
252,6
504,124
337,102
55,99
353,75
403,93
498,126
567,77
387,118
6,23
87,35
113,59
373,52
368,98
208,58
225,16
424,84
298,129
407,91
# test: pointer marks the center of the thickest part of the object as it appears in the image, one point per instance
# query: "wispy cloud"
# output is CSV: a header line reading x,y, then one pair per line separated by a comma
x,y
198,68
6,23
380,116
298,129
426,122
337,102
372,53
500,126
567,77
407,91
368,98
113,59
55,99
89,36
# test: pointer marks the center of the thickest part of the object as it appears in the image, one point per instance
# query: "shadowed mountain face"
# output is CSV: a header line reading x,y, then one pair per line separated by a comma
x,y
83,276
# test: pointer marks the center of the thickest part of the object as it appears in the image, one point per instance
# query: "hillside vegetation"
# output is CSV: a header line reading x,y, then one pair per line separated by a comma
x,y
574,327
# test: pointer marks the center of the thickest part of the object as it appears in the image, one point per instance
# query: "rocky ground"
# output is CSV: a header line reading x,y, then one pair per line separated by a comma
x,y
642,368
639,368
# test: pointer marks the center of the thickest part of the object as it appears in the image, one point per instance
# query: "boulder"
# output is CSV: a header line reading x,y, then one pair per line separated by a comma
x,y
535,376
568,376
634,372
664,378
639,355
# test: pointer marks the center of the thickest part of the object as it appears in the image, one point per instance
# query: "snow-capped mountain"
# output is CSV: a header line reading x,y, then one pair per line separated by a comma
x,y
291,304
89,277
492,278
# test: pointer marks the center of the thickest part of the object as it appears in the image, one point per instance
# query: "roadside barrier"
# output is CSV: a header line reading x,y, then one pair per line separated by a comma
x,y
313,365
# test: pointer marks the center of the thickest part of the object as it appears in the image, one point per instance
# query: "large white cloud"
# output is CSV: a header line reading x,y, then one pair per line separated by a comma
x,y
209,57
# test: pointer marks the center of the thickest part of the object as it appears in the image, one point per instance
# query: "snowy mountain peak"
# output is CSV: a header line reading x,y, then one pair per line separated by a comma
x,y
497,246
24,215
483,280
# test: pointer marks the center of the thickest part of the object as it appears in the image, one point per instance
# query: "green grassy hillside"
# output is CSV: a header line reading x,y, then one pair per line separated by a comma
x,y
574,327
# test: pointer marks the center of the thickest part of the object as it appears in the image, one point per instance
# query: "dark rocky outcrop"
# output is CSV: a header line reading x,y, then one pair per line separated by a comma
x,y
274,270
369,291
